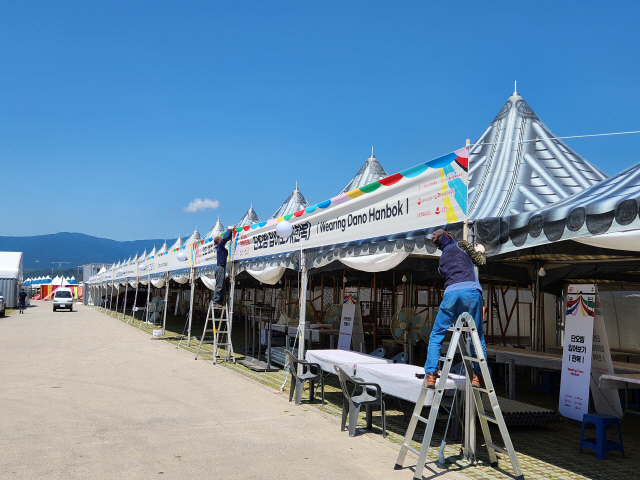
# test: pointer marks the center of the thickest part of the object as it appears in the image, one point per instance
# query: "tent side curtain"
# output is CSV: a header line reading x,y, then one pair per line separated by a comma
x,y
159,280
380,262
208,281
287,260
181,276
410,243
268,275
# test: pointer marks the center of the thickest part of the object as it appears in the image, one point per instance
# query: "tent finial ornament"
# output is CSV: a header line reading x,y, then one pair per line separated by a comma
x,y
372,151
515,87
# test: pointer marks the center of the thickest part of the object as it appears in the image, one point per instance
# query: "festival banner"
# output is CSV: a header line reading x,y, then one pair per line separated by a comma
x,y
428,195
576,356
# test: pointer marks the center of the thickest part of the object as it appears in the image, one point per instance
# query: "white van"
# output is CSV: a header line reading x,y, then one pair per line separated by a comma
x,y
63,298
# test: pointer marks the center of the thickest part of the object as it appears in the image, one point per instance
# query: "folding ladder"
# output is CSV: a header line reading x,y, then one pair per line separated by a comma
x,y
466,324
219,331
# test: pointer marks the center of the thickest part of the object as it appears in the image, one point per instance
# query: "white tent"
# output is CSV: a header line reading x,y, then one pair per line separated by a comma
x,y
10,277
294,203
370,172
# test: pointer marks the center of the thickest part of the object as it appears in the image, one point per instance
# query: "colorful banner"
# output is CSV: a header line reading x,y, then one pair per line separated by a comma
x,y
576,356
428,195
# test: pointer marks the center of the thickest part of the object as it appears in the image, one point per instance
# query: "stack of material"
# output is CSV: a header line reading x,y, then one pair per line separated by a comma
x,y
518,413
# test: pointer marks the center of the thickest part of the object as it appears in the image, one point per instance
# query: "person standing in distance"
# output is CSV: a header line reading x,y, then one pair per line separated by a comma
x,y
22,300
222,253
462,293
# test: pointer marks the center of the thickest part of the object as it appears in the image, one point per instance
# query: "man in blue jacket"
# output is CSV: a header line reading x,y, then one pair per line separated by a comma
x,y
219,270
462,293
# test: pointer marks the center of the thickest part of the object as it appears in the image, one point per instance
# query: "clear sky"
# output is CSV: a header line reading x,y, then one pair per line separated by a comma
x,y
116,115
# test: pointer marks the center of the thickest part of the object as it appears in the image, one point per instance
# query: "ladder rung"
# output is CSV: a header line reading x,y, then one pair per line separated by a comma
x,y
487,417
412,450
443,359
462,329
473,359
421,418
480,389
497,447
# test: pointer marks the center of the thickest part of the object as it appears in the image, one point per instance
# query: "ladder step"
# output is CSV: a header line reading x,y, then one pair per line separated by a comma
x,y
412,450
487,417
497,448
473,359
480,389
421,418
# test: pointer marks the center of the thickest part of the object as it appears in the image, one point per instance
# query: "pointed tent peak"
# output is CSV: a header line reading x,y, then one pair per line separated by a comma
x,y
195,236
370,172
217,229
248,218
152,253
135,259
144,254
177,244
294,203
518,165
164,248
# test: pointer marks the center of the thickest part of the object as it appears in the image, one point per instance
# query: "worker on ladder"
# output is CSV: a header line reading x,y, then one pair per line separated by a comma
x,y
462,293
220,269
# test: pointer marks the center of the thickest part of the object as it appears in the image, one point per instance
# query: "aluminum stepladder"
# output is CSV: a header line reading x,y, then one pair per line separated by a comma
x,y
464,324
220,331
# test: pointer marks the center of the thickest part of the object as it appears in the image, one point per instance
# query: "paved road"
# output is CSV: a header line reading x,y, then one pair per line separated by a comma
x,y
85,396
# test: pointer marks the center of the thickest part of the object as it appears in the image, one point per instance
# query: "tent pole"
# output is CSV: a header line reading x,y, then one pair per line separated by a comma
x,y
302,295
166,304
111,295
135,301
146,308
193,284
124,303
117,298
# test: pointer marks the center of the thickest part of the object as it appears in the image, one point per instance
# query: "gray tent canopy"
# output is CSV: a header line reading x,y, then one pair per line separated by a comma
x,y
518,165
248,218
294,202
217,229
370,172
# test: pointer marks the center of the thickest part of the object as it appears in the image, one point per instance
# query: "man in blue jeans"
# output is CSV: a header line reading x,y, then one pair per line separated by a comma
x,y
462,293
221,266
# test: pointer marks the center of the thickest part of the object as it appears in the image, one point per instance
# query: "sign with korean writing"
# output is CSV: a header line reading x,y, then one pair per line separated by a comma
x,y
576,357
346,322
428,195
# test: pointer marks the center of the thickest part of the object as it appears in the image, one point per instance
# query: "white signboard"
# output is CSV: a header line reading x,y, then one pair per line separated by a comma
x,y
606,400
357,335
576,357
346,322
428,195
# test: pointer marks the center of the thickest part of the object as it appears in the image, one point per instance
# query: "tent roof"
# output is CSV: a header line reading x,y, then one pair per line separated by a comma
x,y
164,248
518,165
194,237
595,216
294,202
217,229
248,218
177,244
152,253
10,263
370,172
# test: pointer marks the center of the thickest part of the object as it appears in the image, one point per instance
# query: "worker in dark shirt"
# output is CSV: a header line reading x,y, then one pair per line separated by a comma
x,y
462,293
222,253
22,300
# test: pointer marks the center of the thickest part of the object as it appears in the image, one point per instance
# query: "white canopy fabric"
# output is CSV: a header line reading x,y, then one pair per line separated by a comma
x,y
159,282
379,262
209,281
629,240
144,280
180,279
268,275
133,284
10,264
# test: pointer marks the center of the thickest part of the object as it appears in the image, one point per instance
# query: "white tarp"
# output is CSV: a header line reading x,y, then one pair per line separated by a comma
x,y
209,281
428,195
268,275
379,262
159,282
628,241
10,264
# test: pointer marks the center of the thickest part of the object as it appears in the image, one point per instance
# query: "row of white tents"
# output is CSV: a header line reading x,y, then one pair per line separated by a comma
x,y
530,199
57,281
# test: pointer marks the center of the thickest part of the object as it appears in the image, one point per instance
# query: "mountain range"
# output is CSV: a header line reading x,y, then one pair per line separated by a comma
x,y
74,249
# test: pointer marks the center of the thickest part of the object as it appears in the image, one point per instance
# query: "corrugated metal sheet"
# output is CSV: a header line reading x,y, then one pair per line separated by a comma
x,y
9,289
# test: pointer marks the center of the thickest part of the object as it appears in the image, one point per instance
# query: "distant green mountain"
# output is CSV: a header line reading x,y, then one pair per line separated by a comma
x,y
76,248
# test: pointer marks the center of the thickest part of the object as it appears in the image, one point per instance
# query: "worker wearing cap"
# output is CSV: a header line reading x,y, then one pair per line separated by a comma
x,y
462,293
220,269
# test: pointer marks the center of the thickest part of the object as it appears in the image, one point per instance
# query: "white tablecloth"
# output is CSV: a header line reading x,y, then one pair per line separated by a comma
x,y
400,380
345,359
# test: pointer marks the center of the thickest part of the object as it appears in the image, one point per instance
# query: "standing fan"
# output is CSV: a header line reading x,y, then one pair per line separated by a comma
x,y
333,315
406,328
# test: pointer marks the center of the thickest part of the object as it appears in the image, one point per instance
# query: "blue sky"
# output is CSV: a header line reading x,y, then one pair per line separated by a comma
x,y
114,116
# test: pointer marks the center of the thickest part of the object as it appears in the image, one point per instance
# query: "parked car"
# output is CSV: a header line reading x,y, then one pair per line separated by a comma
x,y
2,305
63,298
